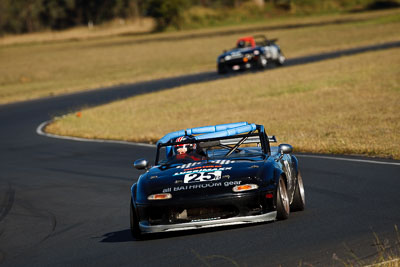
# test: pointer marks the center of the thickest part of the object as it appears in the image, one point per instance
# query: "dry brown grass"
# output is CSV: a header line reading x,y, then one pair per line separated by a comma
x,y
347,105
33,70
116,27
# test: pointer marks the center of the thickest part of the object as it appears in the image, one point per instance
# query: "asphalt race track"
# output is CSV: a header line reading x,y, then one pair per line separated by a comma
x,y
66,203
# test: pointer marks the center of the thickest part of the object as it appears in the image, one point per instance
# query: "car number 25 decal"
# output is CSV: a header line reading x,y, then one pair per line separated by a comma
x,y
196,177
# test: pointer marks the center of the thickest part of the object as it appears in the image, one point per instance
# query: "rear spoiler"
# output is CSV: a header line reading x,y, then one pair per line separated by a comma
x,y
272,139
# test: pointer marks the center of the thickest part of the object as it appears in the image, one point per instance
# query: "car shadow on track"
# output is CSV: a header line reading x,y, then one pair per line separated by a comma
x,y
117,237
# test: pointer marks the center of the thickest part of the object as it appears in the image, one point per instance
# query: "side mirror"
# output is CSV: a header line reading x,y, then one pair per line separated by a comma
x,y
141,164
285,149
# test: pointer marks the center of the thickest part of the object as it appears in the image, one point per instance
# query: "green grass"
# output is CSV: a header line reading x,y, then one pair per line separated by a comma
x,y
199,17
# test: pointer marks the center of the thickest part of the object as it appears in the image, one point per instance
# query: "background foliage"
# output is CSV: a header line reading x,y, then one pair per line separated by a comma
x,y
21,16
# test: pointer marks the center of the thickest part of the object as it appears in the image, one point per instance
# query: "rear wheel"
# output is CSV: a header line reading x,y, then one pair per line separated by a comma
x,y
135,230
281,60
299,200
282,201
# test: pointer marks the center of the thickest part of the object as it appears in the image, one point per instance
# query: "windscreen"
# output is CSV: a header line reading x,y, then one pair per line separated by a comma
x,y
237,147
233,148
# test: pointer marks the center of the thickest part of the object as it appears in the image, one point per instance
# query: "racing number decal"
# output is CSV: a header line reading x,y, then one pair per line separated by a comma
x,y
196,177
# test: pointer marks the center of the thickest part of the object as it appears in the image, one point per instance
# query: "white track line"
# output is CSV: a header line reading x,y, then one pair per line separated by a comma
x,y
39,131
353,160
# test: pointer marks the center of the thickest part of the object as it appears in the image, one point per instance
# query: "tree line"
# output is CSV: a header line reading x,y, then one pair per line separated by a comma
x,y
21,16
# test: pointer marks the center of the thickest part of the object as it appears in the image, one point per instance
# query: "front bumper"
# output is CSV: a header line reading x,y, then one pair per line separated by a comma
x,y
146,228
206,211
237,65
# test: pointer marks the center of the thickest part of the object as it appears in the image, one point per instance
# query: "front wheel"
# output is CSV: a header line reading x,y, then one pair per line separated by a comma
x,y
282,201
222,69
135,230
281,60
299,200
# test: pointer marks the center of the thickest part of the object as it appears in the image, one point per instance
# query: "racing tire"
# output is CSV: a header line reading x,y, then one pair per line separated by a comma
x,y
222,69
135,230
281,60
299,200
282,201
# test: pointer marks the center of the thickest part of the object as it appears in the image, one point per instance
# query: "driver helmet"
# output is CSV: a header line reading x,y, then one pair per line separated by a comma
x,y
241,44
183,148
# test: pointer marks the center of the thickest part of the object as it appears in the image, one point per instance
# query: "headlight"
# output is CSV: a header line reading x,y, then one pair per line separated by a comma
x,y
227,57
256,52
160,196
245,187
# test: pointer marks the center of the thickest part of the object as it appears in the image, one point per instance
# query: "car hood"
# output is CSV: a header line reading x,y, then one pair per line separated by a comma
x,y
238,52
201,178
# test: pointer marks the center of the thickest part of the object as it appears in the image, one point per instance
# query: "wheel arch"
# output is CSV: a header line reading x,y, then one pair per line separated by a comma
x,y
133,191
278,174
133,196
295,164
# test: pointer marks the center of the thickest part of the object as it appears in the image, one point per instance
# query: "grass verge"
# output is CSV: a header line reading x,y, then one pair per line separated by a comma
x,y
387,254
347,105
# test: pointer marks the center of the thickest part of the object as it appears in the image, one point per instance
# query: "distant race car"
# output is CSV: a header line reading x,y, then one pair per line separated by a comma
x,y
211,176
251,53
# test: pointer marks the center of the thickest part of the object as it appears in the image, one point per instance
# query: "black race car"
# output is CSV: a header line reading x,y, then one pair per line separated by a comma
x,y
214,176
250,53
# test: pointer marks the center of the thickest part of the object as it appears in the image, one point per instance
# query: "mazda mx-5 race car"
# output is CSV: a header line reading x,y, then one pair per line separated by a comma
x,y
218,175
250,53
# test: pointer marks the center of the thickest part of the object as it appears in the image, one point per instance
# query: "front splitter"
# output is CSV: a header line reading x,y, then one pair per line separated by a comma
x,y
146,228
